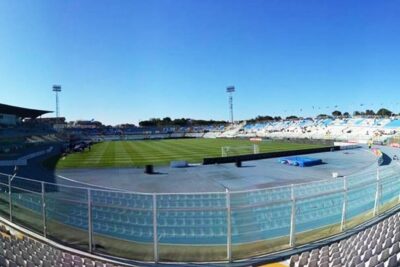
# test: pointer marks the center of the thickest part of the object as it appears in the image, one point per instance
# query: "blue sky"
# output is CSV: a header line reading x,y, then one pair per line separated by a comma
x,y
124,61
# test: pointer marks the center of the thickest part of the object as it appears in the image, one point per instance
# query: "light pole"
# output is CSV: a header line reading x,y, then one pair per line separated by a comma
x,y
57,89
230,90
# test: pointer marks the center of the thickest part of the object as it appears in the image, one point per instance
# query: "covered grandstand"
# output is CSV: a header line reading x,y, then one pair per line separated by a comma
x,y
21,133
12,115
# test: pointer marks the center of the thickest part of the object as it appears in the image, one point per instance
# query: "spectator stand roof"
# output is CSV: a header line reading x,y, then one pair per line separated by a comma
x,y
22,112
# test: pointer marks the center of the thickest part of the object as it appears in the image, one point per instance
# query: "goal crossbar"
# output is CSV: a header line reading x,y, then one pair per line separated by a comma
x,y
227,151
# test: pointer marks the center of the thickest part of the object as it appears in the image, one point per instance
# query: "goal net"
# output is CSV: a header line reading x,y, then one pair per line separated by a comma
x,y
227,151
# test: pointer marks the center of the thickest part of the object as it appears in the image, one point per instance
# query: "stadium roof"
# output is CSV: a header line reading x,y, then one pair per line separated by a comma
x,y
22,112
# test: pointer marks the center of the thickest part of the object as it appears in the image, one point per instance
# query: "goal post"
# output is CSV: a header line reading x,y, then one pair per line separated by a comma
x,y
227,151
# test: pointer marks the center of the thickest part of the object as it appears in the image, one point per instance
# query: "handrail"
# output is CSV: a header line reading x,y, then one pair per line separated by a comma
x,y
242,212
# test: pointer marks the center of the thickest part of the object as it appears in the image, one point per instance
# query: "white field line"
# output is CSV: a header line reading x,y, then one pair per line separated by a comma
x,y
91,185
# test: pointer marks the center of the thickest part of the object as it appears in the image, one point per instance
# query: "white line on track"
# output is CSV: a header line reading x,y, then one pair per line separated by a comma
x,y
91,185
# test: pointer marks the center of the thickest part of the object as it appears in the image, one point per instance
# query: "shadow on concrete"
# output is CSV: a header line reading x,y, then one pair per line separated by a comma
x,y
39,169
248,166
157,173
386,160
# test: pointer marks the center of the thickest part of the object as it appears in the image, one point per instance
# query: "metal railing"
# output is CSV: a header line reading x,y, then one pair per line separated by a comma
x,y
223,226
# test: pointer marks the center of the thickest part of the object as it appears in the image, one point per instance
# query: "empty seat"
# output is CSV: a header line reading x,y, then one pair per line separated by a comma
x,y
26,252
367,255
293,260
395,249
355,261
3,261
384,255
392,262
373,261
313,263
337,262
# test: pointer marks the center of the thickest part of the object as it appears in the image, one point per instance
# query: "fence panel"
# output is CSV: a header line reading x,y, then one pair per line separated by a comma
x,y
192,227
360,204
390,191
319,216
26,208
198,227
67,214
260,221
122,224
4,196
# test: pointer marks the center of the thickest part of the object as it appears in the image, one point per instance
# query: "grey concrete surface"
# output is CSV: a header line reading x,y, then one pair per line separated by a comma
x,y
215,178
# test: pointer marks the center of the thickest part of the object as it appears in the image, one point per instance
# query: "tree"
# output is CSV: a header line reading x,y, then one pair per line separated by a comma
x,y
260,118
182,122
264,118
346,115
292,117
167,121
356,113
369,112
322,116
384,112
336,113
147,123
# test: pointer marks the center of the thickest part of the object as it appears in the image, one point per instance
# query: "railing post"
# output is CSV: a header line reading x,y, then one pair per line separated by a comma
x,y
344,208
228,226
292,238
376,204
398,201
44,211
90,222
155,232
9,196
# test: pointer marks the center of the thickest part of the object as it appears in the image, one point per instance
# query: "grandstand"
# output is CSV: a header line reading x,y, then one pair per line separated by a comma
x,y
22,133
358,130
12,115
377,245
23,248
218,213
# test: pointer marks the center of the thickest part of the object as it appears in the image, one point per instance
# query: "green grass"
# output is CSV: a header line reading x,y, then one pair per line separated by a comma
x,y
161,152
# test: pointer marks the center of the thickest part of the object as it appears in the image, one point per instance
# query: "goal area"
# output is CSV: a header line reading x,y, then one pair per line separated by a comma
x,y
228,151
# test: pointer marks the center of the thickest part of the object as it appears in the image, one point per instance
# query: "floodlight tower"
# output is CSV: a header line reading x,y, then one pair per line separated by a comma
x,y
230,90
57,89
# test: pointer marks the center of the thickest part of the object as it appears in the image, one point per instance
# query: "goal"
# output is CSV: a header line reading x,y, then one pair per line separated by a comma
x,y
227,151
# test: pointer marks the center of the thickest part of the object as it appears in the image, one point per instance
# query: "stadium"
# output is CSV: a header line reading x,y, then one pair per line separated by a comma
x,y
229,133
305,192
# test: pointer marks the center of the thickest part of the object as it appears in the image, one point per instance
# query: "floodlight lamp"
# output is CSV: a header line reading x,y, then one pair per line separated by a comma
x,y
230,89
57,88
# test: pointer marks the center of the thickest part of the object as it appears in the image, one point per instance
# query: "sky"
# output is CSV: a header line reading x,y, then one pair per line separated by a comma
x,y
125,61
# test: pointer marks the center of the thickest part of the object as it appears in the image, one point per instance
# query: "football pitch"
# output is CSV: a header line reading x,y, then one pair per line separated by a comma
x,y
162,152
